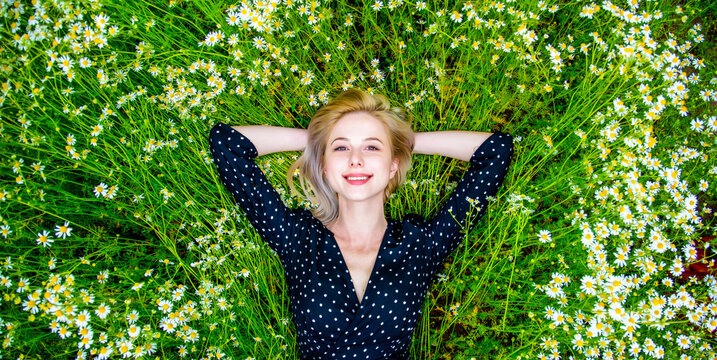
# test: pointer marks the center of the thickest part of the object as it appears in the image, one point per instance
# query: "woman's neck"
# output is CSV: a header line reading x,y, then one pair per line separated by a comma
x,y
359,221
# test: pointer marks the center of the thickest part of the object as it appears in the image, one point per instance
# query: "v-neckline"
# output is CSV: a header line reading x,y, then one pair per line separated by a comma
x,y
347,272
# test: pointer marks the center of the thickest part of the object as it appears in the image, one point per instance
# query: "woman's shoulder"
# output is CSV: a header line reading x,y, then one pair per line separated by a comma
x,y
306,221
410,224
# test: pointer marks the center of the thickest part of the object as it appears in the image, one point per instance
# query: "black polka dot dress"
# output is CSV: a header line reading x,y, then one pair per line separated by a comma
x,y
330,321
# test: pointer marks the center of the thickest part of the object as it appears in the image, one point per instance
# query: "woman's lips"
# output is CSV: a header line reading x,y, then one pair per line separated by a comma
x,y
357,179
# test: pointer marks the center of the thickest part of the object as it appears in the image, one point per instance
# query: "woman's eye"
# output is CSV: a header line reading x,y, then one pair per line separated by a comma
x,y
371,147
340,148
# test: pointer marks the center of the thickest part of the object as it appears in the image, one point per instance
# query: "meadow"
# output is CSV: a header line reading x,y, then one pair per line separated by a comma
x,y
118,239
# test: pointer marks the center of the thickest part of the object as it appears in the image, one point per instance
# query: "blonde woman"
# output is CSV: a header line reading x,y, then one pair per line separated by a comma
x,y
356,279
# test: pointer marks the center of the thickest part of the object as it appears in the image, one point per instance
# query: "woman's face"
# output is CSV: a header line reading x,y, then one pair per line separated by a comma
x,y
357,161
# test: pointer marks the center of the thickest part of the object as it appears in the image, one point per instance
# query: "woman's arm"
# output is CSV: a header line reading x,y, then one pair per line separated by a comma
x,y
489,156
271,139
456,144
234,155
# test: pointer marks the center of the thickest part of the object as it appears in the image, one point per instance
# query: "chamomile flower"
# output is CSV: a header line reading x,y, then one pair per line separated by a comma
x,y
589,285
85,62
191,336
132,317
124,347
100,190
222,303
44,238
103,276
31,305
96,130
104,352
137,286
112,191
578,341
545,236
259,43
64,230
658,242
164,306
456,16
64,332
82,319
22,285
5,231
102,311
65,63
168,325
704,185
133,331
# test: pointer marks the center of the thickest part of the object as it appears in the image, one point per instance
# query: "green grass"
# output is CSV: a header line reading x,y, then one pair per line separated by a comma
x,y
614,121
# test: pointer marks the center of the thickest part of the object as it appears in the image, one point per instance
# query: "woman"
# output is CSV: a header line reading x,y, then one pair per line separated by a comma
x,y
356,280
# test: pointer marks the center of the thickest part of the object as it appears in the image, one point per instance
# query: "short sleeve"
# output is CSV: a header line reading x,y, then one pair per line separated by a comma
x,y
488,166
234,157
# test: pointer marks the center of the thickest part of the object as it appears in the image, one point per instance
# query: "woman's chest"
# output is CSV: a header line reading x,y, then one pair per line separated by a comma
x,y
326,307
360,264
327,281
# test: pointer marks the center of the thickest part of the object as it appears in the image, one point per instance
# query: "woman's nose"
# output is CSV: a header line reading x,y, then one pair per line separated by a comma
x,y
356,159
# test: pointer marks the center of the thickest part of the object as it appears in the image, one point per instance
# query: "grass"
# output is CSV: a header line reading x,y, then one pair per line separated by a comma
x,y
596,246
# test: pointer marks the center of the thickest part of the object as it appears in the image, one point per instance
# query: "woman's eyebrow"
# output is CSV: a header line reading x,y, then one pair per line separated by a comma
x,y
366,139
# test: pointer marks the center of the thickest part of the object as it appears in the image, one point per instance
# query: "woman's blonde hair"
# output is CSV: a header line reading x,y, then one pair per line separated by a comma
x,y
311,176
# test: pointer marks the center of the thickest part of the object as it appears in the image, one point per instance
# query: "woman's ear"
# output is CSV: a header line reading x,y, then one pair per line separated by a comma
x,y
394,167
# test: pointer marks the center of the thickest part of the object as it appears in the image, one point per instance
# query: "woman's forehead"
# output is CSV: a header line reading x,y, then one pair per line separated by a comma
x,y
358,125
